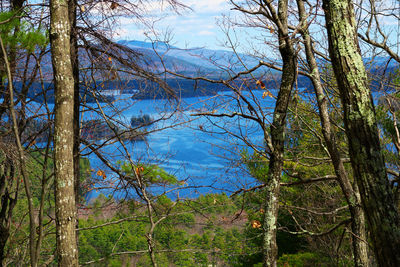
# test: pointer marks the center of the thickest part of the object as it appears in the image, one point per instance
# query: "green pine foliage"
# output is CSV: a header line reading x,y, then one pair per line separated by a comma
x,y
150,174
19,33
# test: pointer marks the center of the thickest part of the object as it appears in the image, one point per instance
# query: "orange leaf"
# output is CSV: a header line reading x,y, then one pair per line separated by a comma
x,y
100,173
110,59
271,29
258,82
267,93
255,224
264,94
32,143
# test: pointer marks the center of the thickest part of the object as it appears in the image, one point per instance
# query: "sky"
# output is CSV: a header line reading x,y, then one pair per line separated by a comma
x,y
197,27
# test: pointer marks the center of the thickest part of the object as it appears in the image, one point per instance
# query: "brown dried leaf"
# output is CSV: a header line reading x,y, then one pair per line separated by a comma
x,y
113,5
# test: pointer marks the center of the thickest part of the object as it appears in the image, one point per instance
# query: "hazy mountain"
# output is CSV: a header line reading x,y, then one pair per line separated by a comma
x,y
192,59
190,62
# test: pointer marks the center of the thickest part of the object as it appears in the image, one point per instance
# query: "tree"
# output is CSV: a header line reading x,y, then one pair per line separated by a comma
x,y
67,251
362,132
271,205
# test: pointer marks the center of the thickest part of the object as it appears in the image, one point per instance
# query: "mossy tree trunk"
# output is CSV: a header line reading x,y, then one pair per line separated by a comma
x,y
361,129
271,204
67,251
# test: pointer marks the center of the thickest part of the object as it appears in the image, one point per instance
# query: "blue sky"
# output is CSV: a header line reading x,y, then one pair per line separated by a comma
x,y
199,25
191,28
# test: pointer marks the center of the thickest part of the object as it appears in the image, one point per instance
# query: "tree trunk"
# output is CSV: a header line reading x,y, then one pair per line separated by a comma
x,y
7,202
352,195
67,252
75,71
4,234
72,6
271,205
361,129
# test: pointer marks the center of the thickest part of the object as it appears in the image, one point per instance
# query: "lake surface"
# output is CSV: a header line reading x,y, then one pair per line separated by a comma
x,y
195,149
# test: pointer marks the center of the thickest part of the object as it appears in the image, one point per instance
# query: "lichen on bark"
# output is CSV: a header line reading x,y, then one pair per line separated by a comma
x,y
67,252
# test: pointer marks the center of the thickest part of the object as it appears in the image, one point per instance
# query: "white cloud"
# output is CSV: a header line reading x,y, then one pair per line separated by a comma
x,y
129,33
194,27
205,33
208,6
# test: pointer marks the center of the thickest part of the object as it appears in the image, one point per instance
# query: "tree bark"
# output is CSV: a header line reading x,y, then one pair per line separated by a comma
x,y
67,252
361,129
271,204
75,71
72,9
7,203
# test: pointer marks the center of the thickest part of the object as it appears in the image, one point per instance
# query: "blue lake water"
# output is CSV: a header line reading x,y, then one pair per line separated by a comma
x,y
198,150
195,149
